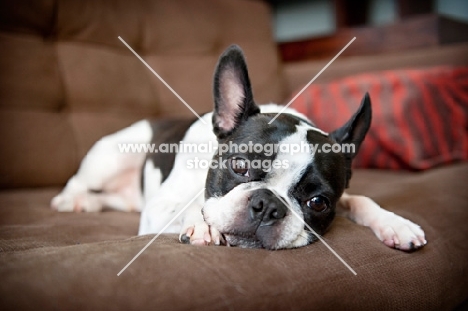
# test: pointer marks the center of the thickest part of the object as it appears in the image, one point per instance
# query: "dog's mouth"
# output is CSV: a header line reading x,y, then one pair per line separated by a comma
x,y
247,238
264,240
243,241
260,235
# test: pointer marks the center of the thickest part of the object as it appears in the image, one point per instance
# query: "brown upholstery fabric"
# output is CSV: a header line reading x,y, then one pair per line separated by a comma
x,y
37,148
28,74
70,261
298,74
64,58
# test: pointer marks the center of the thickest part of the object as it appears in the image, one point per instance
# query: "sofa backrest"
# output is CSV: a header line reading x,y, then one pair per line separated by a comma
x,y
66,79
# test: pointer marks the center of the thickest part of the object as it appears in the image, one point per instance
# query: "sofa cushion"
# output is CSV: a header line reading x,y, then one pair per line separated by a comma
x,y
63,60
42,148
27,223
38,148
29,74
70,261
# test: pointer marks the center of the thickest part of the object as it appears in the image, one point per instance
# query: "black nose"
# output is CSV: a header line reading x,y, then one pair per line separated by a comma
x,y
265,206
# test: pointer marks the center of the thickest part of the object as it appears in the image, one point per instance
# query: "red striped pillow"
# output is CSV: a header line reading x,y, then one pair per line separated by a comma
x,y
419,116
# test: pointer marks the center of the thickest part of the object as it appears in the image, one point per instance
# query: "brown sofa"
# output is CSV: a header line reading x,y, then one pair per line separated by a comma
x,y
66,80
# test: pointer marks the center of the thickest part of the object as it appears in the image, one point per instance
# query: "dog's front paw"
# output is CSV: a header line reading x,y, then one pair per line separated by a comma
x,y
201,234
398,232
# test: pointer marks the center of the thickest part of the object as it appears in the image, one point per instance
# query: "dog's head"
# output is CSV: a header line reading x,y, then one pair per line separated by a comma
x,y
263,196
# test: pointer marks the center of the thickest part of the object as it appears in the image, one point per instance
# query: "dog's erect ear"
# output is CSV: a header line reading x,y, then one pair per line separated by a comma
x,y
233,97
354,131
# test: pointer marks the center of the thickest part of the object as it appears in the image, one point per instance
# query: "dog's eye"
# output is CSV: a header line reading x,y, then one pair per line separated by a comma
x,y
318,203
240,166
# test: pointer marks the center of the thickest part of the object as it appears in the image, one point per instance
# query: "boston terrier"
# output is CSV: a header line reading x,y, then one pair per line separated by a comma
x,y
253,197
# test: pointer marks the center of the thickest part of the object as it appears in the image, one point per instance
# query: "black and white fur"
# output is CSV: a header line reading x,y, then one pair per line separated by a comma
x,y
251,209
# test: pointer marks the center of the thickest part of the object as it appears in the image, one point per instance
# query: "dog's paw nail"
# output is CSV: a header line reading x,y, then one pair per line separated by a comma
x,y
184,239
